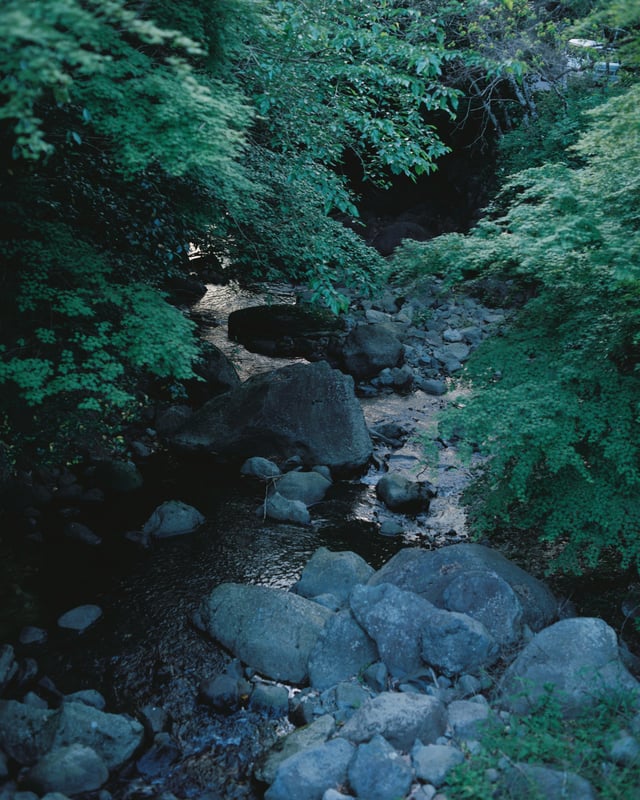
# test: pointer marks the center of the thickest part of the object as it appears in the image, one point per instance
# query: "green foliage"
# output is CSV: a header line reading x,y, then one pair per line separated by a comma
x,y
554,402
544,737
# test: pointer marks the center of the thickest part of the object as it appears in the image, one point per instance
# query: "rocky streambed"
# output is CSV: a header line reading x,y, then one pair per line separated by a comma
x,y
280,557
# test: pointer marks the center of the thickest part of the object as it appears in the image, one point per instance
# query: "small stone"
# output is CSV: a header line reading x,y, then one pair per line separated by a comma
x,y
625,751
391,528
260,468
31,636
81,618
173,518
267,697
81,533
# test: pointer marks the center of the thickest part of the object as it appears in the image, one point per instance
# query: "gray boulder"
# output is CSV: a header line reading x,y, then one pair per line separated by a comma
x,y
282,509
394,619
341,651
529,781
26,732
305,410
307,487
399,493
173,518
306,738
490,600
378,771
70,770
117,476
114,737
310,773
271,630
260,468
368,349
430,572
455,643
401,718
577,658
468,718
433,762
334,573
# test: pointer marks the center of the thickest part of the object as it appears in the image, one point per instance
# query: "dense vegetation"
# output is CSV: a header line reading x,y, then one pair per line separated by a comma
x,y
554,402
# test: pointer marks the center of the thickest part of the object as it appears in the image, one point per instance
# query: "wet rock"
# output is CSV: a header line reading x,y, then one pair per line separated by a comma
x,y
334,573
531,781
394,619
260,468
311,772
429,573
399,493
8,666
114,737
401,718
173,518
577,658
391,527
368,349
309,410
271,630
269,698
455,643
378,771
31,636
81,618
159,757
90,697
489,599
305,738
117,476
70,770
433,762
222,693
307,487
282,509
26,733
341,651
81,533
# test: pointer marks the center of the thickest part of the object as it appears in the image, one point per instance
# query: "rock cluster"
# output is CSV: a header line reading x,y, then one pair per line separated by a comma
x,y
398,668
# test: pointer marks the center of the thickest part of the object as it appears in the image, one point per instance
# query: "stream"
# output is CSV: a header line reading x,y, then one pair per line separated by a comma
x,y
145,652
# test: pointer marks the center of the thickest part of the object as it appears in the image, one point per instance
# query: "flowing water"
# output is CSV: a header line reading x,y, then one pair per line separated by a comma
x,y
146,651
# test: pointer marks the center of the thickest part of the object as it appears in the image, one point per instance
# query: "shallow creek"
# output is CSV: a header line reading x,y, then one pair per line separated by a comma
x,y
146,652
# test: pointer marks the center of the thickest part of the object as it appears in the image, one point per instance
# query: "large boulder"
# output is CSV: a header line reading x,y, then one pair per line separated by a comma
x,y
335,573
310,773
401,718
368,349
271,630
456,643
216,375
430,573
342,651
577,659
378,771
284,329
394,619
70,770
305,410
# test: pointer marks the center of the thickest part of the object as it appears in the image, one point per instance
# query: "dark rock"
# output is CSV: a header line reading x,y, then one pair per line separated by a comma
x,y
186,286
270,698
117,476
308,410
217,375
288,330
172,419
399,493
154,719
393,234
222,693
8,666
455,643
159,757
26,733
368,349
173,518
81,533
